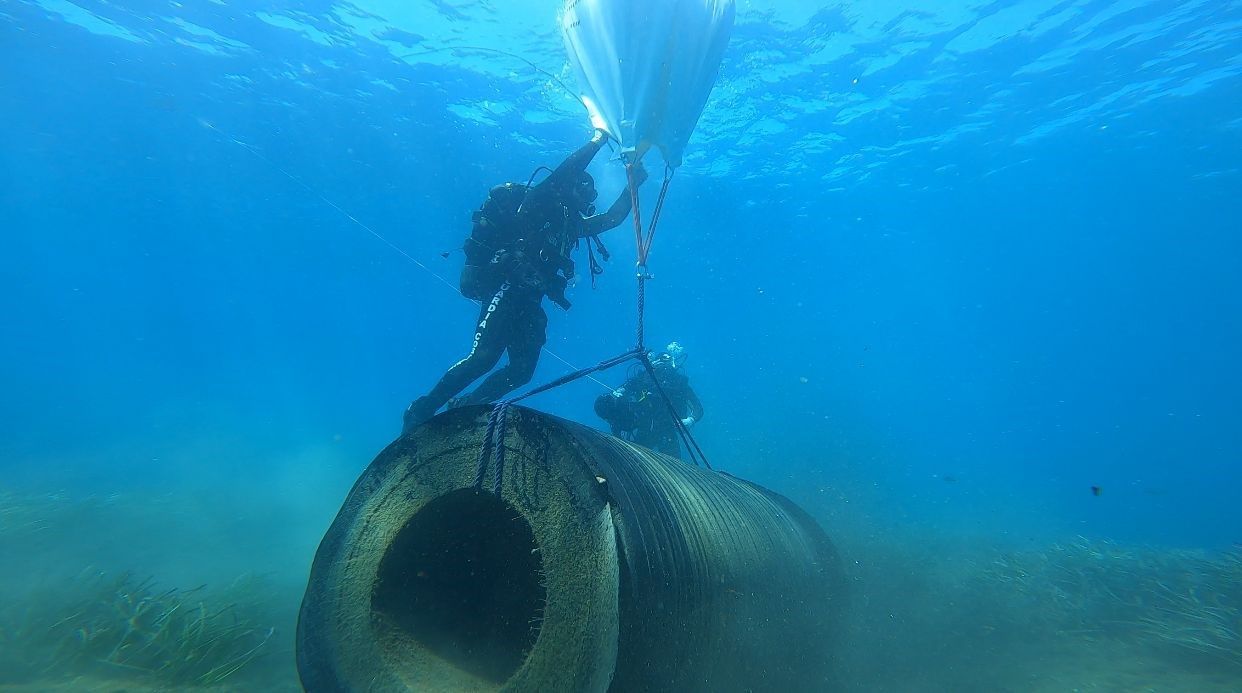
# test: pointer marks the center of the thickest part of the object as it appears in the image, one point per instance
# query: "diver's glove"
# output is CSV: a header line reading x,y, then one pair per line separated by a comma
x,y
688,421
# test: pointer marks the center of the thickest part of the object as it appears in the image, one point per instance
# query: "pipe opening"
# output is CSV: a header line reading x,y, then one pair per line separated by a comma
x,y
461,582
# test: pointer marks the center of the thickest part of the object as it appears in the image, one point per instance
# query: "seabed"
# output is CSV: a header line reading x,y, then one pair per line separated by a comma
x,y
101,595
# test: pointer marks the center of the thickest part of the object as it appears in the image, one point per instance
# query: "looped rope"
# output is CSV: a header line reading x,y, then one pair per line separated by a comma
x,y
643,241
655,215
494,446
638,214
501,411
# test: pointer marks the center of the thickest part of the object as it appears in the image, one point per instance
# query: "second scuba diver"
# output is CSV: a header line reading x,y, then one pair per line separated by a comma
x,y
638,413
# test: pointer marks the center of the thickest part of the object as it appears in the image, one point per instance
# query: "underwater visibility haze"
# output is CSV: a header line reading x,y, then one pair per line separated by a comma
x,y
962,279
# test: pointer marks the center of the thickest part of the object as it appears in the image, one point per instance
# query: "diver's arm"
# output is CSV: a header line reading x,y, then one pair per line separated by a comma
x,y
576,162
593,226
617,213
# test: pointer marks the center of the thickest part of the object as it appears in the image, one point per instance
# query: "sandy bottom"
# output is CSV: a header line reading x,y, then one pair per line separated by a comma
x,y
1081,667
1093,667
920,620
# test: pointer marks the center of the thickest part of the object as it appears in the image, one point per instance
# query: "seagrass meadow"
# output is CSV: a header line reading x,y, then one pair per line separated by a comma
x,y
133,593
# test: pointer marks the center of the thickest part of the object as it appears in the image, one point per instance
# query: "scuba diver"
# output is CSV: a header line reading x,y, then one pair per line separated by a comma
x,y
518,252
636,411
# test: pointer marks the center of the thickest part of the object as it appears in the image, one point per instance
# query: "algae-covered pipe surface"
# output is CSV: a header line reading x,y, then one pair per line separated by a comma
x,y
600,566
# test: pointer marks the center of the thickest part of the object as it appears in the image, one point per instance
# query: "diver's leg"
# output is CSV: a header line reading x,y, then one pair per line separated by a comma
x,y
488,344
529,335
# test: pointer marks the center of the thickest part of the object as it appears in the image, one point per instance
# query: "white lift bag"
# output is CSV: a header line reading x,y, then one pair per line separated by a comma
x,y
646,67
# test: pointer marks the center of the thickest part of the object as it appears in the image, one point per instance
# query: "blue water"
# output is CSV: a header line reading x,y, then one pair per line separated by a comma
x,y
946,267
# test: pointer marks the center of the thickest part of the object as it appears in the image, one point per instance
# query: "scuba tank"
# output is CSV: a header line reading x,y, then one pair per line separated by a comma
x,y
501,225
494,230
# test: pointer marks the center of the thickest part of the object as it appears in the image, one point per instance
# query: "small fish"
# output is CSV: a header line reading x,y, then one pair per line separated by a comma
x,y
445,255
1095,490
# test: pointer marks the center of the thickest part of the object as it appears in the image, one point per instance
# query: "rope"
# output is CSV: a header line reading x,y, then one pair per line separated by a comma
x,y
644,243
643,240
493,438
638,218
580,373
493,446
655,215
501,412
489,442
642,312
692,446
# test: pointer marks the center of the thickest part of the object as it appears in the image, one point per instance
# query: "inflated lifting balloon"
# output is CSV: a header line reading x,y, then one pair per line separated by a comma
x,y
646,67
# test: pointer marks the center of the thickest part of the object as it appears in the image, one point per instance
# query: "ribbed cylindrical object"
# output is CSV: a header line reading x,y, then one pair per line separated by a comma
x,y
599,566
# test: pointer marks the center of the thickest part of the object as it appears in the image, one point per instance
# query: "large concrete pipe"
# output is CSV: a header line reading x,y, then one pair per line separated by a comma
x,y
600,566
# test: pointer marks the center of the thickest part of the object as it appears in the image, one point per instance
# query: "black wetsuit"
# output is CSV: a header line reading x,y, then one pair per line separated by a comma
x,y
549,225
637,412
513,321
